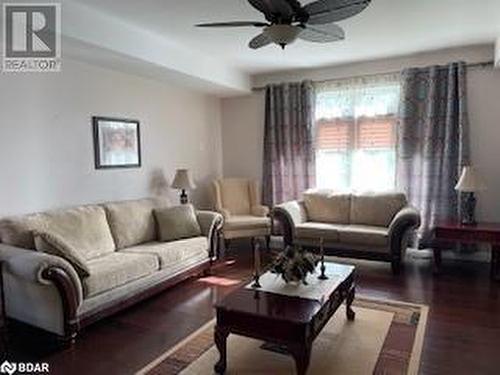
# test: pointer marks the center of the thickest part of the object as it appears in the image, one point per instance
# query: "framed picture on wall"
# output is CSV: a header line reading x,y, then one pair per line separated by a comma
x,y
117,143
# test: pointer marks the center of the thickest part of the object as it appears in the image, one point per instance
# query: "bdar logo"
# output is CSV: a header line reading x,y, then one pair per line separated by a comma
x,y
24,368
8,368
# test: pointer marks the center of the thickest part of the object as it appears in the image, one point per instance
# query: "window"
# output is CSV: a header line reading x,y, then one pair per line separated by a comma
x,y
356,134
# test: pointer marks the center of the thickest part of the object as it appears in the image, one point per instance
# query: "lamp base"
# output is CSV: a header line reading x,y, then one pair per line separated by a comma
x,y
184,197
469,207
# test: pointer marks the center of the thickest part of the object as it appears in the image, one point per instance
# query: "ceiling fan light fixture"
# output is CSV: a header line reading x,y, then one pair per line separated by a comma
x,y
288,20
282,35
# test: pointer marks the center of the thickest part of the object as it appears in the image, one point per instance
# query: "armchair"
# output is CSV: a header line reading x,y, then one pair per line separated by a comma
x,y
238,200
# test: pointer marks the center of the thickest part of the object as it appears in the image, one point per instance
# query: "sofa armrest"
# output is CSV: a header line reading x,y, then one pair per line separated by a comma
x,y
211,225
225,213
290,214
406,219
41,268
260,210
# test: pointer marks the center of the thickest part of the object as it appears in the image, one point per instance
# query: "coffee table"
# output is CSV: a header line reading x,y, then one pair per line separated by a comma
x,y
288,321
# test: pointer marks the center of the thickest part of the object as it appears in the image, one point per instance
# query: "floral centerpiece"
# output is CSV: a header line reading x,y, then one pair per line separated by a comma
x,y
294,264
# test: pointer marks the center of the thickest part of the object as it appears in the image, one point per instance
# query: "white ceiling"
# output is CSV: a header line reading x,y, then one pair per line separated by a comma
x,y
387,28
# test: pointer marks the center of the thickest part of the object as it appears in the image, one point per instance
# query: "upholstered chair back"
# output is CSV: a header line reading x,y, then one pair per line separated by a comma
x,y
236,196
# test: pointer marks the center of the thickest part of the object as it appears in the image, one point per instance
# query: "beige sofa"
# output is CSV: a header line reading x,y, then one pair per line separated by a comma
x,y
372,226
119,243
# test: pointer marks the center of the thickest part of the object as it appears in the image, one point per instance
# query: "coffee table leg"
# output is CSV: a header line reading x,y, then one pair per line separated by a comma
x,y
438,260
220,336
495,263
302,356
349,300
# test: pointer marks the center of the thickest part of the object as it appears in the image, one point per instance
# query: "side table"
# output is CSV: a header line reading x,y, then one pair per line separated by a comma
x,y
488,233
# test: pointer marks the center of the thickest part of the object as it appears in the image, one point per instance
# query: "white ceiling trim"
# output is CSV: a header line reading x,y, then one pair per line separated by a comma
x,y
131,46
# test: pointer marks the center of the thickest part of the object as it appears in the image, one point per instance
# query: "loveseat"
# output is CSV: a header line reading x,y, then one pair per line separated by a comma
x,y
120,248
370,226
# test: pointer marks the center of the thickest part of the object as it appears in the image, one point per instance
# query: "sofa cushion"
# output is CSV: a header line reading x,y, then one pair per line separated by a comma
x,y
17,231
376,209
314,230
328,207
116,269
246,222
84,228
175,223
133,222
171,253
54,244
235,195
363,235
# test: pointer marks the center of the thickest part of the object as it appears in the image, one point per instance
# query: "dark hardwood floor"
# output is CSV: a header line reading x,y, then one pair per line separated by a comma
x,y
463,331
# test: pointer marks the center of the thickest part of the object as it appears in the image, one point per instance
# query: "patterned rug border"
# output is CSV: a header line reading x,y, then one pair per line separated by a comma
x,y
415,356
418,344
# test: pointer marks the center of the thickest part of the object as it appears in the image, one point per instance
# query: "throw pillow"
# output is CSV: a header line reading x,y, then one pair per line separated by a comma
x,y
54,244
175,223
328,207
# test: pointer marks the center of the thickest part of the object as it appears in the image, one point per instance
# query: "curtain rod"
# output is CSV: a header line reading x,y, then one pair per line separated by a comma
x,y
477,65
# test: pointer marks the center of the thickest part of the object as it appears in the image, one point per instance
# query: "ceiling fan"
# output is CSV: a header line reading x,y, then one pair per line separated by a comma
x,y
288,20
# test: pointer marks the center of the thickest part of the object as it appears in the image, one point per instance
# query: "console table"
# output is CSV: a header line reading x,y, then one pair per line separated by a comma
x,y
488,233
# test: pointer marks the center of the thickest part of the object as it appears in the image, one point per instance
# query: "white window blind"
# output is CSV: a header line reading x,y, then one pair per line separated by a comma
x,y
356,124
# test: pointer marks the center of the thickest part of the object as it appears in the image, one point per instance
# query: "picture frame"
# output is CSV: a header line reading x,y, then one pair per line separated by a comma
x,y
117,143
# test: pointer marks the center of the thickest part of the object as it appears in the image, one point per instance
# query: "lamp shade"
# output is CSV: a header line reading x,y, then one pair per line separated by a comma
x,y
470,181
183,180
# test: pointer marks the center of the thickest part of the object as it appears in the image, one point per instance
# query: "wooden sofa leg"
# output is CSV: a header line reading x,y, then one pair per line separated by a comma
x,y
268,243
227,243
67,341
396,266
207,272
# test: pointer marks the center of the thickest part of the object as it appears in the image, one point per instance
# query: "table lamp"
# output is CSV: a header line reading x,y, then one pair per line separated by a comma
x,y
183,181
469,183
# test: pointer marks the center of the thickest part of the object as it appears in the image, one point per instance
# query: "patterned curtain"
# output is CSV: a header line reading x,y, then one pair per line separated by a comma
x,y
433,141
288,142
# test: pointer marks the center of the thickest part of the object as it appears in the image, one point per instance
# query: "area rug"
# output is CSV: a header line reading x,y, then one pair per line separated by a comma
x,y
385,338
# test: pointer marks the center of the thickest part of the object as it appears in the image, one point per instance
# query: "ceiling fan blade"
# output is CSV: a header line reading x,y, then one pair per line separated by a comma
x,y
259,41
233,24
274,10
322,33
263,6
328,11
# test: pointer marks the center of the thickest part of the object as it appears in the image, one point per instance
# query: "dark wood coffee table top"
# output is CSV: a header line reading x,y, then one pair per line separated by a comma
x,y
291,322
281,307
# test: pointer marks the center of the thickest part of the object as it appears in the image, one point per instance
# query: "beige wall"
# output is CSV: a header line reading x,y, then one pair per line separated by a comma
x,y
243,135
46,149
243,117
